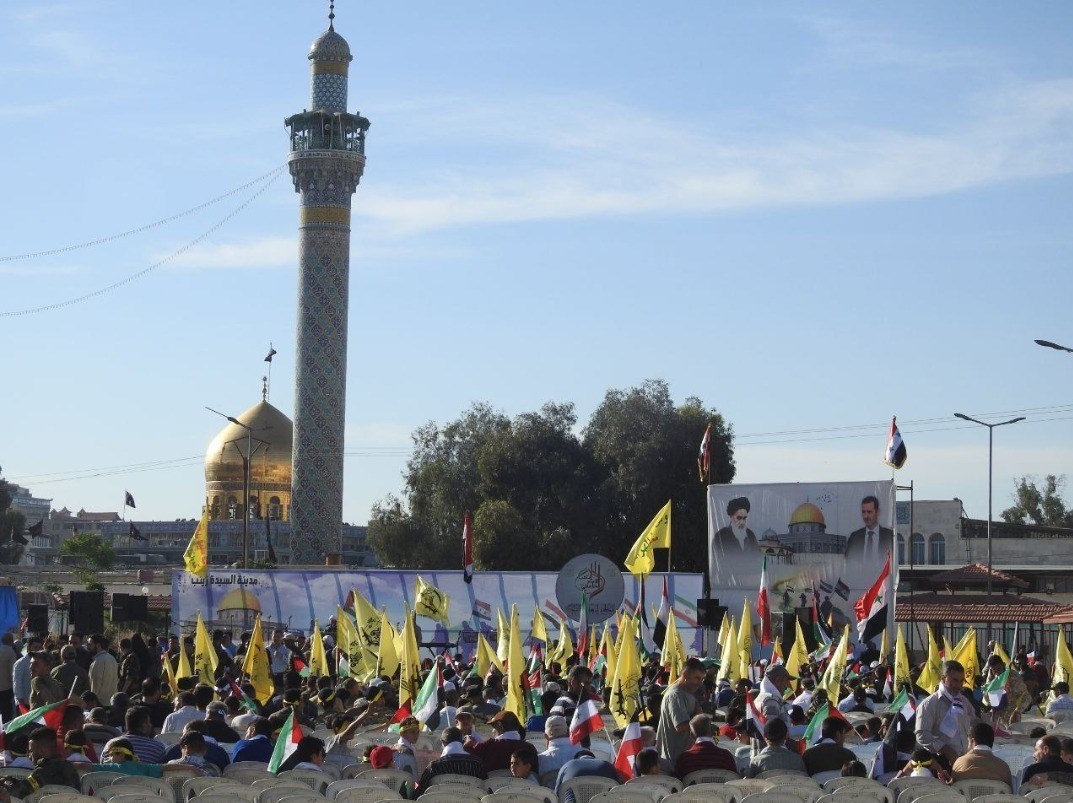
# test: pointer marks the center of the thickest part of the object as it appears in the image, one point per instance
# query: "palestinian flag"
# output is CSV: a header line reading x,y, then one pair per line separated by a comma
x,y
286,743
247,703
427,705
300,667
815,727
533,683
997,688
587,720
754,720
871,609
50,716
628,748
903,704
659,631
763,607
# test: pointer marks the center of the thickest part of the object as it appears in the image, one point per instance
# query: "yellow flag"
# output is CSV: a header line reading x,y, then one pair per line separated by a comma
x,y
204,654
884,647
169,673
257,666
183,670
657,535
932,671
431,602
348,642
832,676
367,625
674,653
621,634
1063,660
539,630
729,660
318,660
723,630
745,640
594,644
625,686
196,556
965,654
486,657
607,647
387,657
410,659
1000,651
565,648
798,653
901,662
515,668
502,635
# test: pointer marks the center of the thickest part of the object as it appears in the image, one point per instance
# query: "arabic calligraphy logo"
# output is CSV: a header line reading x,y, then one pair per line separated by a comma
x,y
590,580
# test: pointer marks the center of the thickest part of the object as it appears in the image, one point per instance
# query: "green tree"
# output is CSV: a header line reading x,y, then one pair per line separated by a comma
x,y
11,523
93,554
1036,505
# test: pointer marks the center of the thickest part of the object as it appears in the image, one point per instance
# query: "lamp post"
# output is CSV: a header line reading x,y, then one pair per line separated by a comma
x,y
247,458
990,464
1057,347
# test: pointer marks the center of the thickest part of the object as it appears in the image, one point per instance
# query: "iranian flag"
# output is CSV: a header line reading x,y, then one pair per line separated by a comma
x,y
763,607
871,609
427,704
628,748
287,742
586,721
50,716
996,689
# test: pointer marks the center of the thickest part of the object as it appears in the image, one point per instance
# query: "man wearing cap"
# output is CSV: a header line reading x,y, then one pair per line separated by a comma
x,y
49,768
453,760
560,749
769,702
496,752
465,722
406,747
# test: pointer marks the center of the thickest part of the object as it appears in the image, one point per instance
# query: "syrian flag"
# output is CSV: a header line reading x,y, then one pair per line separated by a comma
x,y
903,704
628,748
895,455
586,721
763,607
659,632
997,688
871,609
467,549
427,705
754,720
704,456
50,716
287,742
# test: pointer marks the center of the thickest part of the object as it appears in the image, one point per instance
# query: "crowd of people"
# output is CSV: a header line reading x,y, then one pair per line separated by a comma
x,y
116,699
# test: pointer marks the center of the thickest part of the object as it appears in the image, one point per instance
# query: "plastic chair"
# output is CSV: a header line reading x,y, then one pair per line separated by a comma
x,y
901,785
828,775
351,771
833,784
668,782
619,794
223,794
704,793
169,739
365,794
749,786
709,776
274,794
17,772
772,774
493,785
463,780
772,796
585,787
48,789
69,796
949,796
973,789
314,779
393,779
308,796
1059,792
448,793
869,791
335,787
247,775
195,786
529,793
92,781
157,786
235,766
999,798
134,797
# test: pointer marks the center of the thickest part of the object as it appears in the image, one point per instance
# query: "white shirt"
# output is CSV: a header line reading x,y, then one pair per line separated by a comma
x,y
1062,702
176,721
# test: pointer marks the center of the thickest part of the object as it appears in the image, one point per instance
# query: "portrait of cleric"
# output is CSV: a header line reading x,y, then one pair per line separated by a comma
x,y
736,539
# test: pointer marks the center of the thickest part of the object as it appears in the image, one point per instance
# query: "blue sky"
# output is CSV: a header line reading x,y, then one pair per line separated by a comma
x,y
812,216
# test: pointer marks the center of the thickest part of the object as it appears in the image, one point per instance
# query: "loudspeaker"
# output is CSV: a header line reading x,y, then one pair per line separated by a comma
x,y
710,613
137,608
87,611
119,607
37,618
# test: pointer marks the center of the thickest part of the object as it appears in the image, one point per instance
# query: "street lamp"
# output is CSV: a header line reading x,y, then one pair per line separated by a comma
x,y
246,460
990,462
1057,347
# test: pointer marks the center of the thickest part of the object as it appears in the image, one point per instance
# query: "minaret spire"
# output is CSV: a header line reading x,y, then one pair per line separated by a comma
x,y
331,15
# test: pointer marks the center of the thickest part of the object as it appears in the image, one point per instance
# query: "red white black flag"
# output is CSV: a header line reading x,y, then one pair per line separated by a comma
x,y
871,609
467,549
896,454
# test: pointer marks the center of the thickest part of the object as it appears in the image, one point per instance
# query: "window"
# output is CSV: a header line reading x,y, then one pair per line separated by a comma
x,y
901,549
916,544
274,508
937,549
232,507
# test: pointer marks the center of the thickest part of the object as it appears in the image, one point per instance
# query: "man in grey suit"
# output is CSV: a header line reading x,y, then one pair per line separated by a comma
x,y
872,542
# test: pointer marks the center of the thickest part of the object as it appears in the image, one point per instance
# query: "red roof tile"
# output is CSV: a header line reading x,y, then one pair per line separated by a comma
x,y
976,574
974,608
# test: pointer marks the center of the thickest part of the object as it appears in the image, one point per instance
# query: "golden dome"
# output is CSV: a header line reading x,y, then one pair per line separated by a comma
x,y
270,468
808,513
239,599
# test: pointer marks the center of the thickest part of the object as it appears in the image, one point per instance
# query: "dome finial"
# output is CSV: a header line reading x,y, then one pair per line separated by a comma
x,y
331,15
264,388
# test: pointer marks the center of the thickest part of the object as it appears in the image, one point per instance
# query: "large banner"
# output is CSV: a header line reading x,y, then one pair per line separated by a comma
x,y
293,599
824,543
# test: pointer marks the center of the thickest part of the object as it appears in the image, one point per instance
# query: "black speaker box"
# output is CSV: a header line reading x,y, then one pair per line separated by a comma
x,y
137,608
710,613
87,611
119,607
37,618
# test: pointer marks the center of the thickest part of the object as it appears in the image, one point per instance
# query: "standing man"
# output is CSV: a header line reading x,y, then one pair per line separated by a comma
x,y
104,671
678,707
7,667
73,678
20,673
44,689
872,542
279,657
944,718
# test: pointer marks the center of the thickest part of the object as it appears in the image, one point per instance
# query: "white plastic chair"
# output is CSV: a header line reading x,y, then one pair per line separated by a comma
x,y
668,782
196,786
1056,793
973,789
70,796
709,776
449,793
585,787
620,794
157,786
462,780
870,791
360,794
247,775
749,786
314,779
779,795
949,796
999,798
521,794
93,781
49,789
276,793
838,781
704,793
335,787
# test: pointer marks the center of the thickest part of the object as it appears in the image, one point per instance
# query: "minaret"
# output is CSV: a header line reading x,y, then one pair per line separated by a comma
x,y
327,159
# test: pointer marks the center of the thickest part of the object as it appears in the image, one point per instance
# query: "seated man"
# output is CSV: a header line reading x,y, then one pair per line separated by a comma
x,y
453,760
560,748
1062,701
585,764
830,753
258,744
647,763
704,754
140,735
980,762
213,752
49,768
775,756
193,745
1048,755
524,763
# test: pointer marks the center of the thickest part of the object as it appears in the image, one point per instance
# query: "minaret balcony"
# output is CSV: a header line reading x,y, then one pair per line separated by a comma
x,y
325,131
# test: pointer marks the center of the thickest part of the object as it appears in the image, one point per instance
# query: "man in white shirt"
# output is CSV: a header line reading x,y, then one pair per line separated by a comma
x,y
944,718
1062,701
279,657
20,673
104,671
560,750
185,711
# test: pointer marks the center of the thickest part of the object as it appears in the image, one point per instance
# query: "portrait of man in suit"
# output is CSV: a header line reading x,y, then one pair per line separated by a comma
x,y
871,542
736,538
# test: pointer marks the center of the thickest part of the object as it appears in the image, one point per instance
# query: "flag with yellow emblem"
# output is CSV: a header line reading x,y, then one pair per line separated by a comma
x,y
196,556
515,668
410,661
318,659
205,659
641,559
626,681
387,657
431,602
257,666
